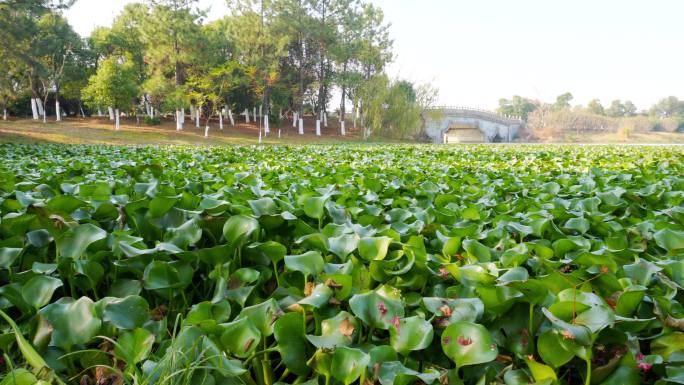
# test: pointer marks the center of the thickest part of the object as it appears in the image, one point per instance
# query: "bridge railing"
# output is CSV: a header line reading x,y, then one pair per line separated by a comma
x,y
478,110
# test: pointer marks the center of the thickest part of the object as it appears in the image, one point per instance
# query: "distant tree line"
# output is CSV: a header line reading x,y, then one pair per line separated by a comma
x,y
282,57
548,121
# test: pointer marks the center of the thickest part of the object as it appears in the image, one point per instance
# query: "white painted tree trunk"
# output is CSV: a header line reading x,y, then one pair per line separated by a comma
x,y
325,119
294,120
116,117
261,111
58,112
301,126
259,136
254,114
99,112
220,120
206,131
34,108
182,117
152,110
342,130
41,110
4,114
44,117
178,120
111,113
246,115
192,111
318,127
197,118
267,130
230,116
279,133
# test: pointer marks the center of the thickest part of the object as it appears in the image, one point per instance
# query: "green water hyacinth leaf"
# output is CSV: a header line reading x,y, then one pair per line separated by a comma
x,y
477,250
552,350
74,242
669,345
348,364
343,245
184,235
409,334
240,337
262,316
160,275
309,263
340,330
126,313
207,315
377,308
319,297
8,255
669,240
160,205
38,291
238,229
20,376
394,372
374,248
74,322
314,207
289,333
263,206
467,343
272,250
580,225
579,334
134,346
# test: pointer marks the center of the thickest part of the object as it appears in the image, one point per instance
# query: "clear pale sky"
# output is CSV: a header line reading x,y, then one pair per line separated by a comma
x,y
477,51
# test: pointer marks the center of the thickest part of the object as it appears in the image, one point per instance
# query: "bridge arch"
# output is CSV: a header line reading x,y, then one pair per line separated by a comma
x,y
470,125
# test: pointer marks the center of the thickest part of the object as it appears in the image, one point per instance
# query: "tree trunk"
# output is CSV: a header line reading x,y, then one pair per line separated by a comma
x,y
111,113
116,119
220,120
34,108
4,114
41,110
230,116
58,112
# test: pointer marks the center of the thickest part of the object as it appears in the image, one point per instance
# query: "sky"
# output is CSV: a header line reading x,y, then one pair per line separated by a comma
x,y
478,51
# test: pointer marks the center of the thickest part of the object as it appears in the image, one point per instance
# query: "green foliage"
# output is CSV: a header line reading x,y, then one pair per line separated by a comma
x,y
478,264
517,106
112,85
150,121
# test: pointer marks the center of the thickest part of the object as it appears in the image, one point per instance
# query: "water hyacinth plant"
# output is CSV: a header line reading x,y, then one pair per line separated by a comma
x,y
341,265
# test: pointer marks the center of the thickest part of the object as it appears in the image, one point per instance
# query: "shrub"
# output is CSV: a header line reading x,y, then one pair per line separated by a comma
x,y
657,127
150,121
680,126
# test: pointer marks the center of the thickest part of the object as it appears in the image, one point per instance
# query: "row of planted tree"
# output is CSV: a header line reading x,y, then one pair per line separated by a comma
x,y
287,56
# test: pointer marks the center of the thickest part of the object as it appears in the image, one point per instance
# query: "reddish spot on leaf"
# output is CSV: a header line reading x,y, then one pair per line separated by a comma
x,y
446,340
443,272
382,309
567,335
464,341
248,344
446,310
397,325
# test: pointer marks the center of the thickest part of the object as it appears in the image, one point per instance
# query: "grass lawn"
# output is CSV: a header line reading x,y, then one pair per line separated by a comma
x,y
101,131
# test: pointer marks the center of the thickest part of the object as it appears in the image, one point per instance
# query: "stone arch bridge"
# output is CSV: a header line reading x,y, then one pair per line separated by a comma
x,y
449,124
